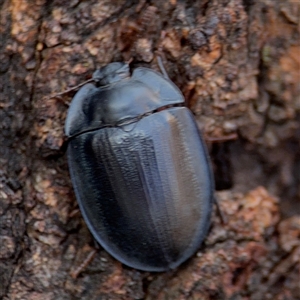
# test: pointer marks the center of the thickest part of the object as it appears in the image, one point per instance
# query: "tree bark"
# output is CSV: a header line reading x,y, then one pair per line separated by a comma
x,y
237,63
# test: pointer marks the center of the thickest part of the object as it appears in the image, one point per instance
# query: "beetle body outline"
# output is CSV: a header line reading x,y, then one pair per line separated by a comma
x,y
139,168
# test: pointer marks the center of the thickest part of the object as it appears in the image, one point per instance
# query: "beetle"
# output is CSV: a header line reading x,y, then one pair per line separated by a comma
x,y
139,167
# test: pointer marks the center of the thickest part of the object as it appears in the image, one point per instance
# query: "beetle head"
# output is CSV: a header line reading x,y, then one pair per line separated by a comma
x,y
111,73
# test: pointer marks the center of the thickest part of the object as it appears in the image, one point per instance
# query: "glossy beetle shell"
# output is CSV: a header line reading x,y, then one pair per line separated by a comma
x,y
139,168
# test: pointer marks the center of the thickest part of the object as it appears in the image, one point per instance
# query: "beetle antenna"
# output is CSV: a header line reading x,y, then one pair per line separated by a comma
x,y
129,61
76,87
162,68
159,60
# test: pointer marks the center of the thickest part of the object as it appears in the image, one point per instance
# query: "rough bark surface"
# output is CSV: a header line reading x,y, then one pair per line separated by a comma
x,y
237,63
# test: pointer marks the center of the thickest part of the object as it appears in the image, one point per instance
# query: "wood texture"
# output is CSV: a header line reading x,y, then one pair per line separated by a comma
x,y
237,63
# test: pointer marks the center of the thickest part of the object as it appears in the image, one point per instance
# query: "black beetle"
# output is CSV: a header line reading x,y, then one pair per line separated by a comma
x,y
139,167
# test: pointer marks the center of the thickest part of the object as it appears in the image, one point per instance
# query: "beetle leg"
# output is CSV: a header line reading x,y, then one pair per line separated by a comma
x,y
220,212
63,147
221,139
75,273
